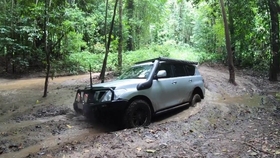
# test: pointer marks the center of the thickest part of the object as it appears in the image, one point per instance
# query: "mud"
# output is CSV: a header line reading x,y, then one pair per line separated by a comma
x,y
232,121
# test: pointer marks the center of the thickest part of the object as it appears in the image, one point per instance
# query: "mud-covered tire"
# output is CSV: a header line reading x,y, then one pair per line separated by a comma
x,y
88,113
138,113
195,99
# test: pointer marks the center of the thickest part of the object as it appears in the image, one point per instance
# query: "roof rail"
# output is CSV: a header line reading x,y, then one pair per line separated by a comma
x,y
170,60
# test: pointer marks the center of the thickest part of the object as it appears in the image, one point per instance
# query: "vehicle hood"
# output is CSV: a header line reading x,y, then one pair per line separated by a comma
x,y
121,84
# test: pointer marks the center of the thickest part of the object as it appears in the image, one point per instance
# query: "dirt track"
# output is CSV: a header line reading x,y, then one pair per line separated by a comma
x,y
233,121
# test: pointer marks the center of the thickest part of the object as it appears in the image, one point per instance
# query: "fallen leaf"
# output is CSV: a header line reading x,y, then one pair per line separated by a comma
x,y
139,149
277,152
149,141
253,153
69,126
150,151
49,156
86,151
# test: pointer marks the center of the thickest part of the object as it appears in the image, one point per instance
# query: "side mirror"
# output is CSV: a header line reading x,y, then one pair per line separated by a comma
x,y
161,73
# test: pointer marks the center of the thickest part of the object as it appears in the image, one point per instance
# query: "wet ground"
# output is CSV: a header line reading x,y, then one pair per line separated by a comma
x,y
232,121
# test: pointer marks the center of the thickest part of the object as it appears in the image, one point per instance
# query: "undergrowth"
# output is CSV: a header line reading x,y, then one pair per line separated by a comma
x,y
79,62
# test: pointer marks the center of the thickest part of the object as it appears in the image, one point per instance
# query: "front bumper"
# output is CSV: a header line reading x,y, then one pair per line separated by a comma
x,y
112,106
89,105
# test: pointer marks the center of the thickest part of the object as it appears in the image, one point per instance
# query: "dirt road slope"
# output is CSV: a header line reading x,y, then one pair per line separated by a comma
x,y
233,121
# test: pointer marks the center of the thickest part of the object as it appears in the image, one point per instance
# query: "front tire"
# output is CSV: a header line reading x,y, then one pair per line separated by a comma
x,y
137,114
195,99
76,109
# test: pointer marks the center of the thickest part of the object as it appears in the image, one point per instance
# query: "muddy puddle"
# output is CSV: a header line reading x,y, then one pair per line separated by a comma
x,y
38,82
72,136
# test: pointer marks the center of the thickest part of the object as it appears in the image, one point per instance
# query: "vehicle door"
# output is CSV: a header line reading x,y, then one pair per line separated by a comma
x,y
164,90
183,82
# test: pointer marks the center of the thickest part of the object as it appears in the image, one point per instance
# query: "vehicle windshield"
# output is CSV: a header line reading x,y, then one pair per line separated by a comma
x,y
137,72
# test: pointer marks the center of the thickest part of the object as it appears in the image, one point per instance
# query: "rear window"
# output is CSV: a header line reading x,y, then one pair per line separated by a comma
x,y
179,70
190,70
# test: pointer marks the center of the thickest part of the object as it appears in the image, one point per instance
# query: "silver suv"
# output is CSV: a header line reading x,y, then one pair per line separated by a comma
x,y
147,88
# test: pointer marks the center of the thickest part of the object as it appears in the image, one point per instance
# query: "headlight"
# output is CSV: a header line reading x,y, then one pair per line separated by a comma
x,y
108,95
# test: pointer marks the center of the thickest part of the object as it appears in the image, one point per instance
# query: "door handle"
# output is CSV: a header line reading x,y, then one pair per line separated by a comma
x,y
174,82
190,80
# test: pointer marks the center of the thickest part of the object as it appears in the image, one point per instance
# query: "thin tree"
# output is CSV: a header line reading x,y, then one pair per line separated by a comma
x,y
46,50
120,41
228,45
102,74
129,14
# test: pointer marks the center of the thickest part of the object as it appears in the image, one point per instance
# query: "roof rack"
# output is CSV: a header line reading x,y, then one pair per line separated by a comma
x,y
169,60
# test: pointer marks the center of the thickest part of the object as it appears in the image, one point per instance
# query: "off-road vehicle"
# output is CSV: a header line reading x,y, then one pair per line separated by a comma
x,y
147,88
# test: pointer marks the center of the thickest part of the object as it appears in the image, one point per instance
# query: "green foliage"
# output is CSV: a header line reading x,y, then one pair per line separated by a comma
x,y
74,43
152,51
82,60
208,31
191,30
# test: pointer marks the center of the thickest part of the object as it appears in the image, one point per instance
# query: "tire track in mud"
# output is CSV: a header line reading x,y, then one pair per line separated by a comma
x,y
30,123
34,137
53,142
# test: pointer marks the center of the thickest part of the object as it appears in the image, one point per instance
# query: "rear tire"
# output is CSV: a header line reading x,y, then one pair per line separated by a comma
x,y
195,99
137,114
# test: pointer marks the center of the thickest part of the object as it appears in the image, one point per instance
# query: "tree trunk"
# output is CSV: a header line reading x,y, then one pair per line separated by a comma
x,y
231,30
102,74
120,46
46,52
13,35
274,39
105,28
130,10
228,45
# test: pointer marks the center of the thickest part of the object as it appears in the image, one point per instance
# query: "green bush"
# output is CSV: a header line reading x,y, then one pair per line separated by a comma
x,y
79,62
211,57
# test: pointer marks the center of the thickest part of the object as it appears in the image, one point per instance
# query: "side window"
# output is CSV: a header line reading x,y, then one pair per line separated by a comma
x,y
179,70
167,68
190,70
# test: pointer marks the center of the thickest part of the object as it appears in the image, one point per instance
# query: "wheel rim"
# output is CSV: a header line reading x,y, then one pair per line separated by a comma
x,y
139,117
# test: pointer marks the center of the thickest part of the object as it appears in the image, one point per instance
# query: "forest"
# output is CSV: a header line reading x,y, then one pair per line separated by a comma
x,y
49,46
70,35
